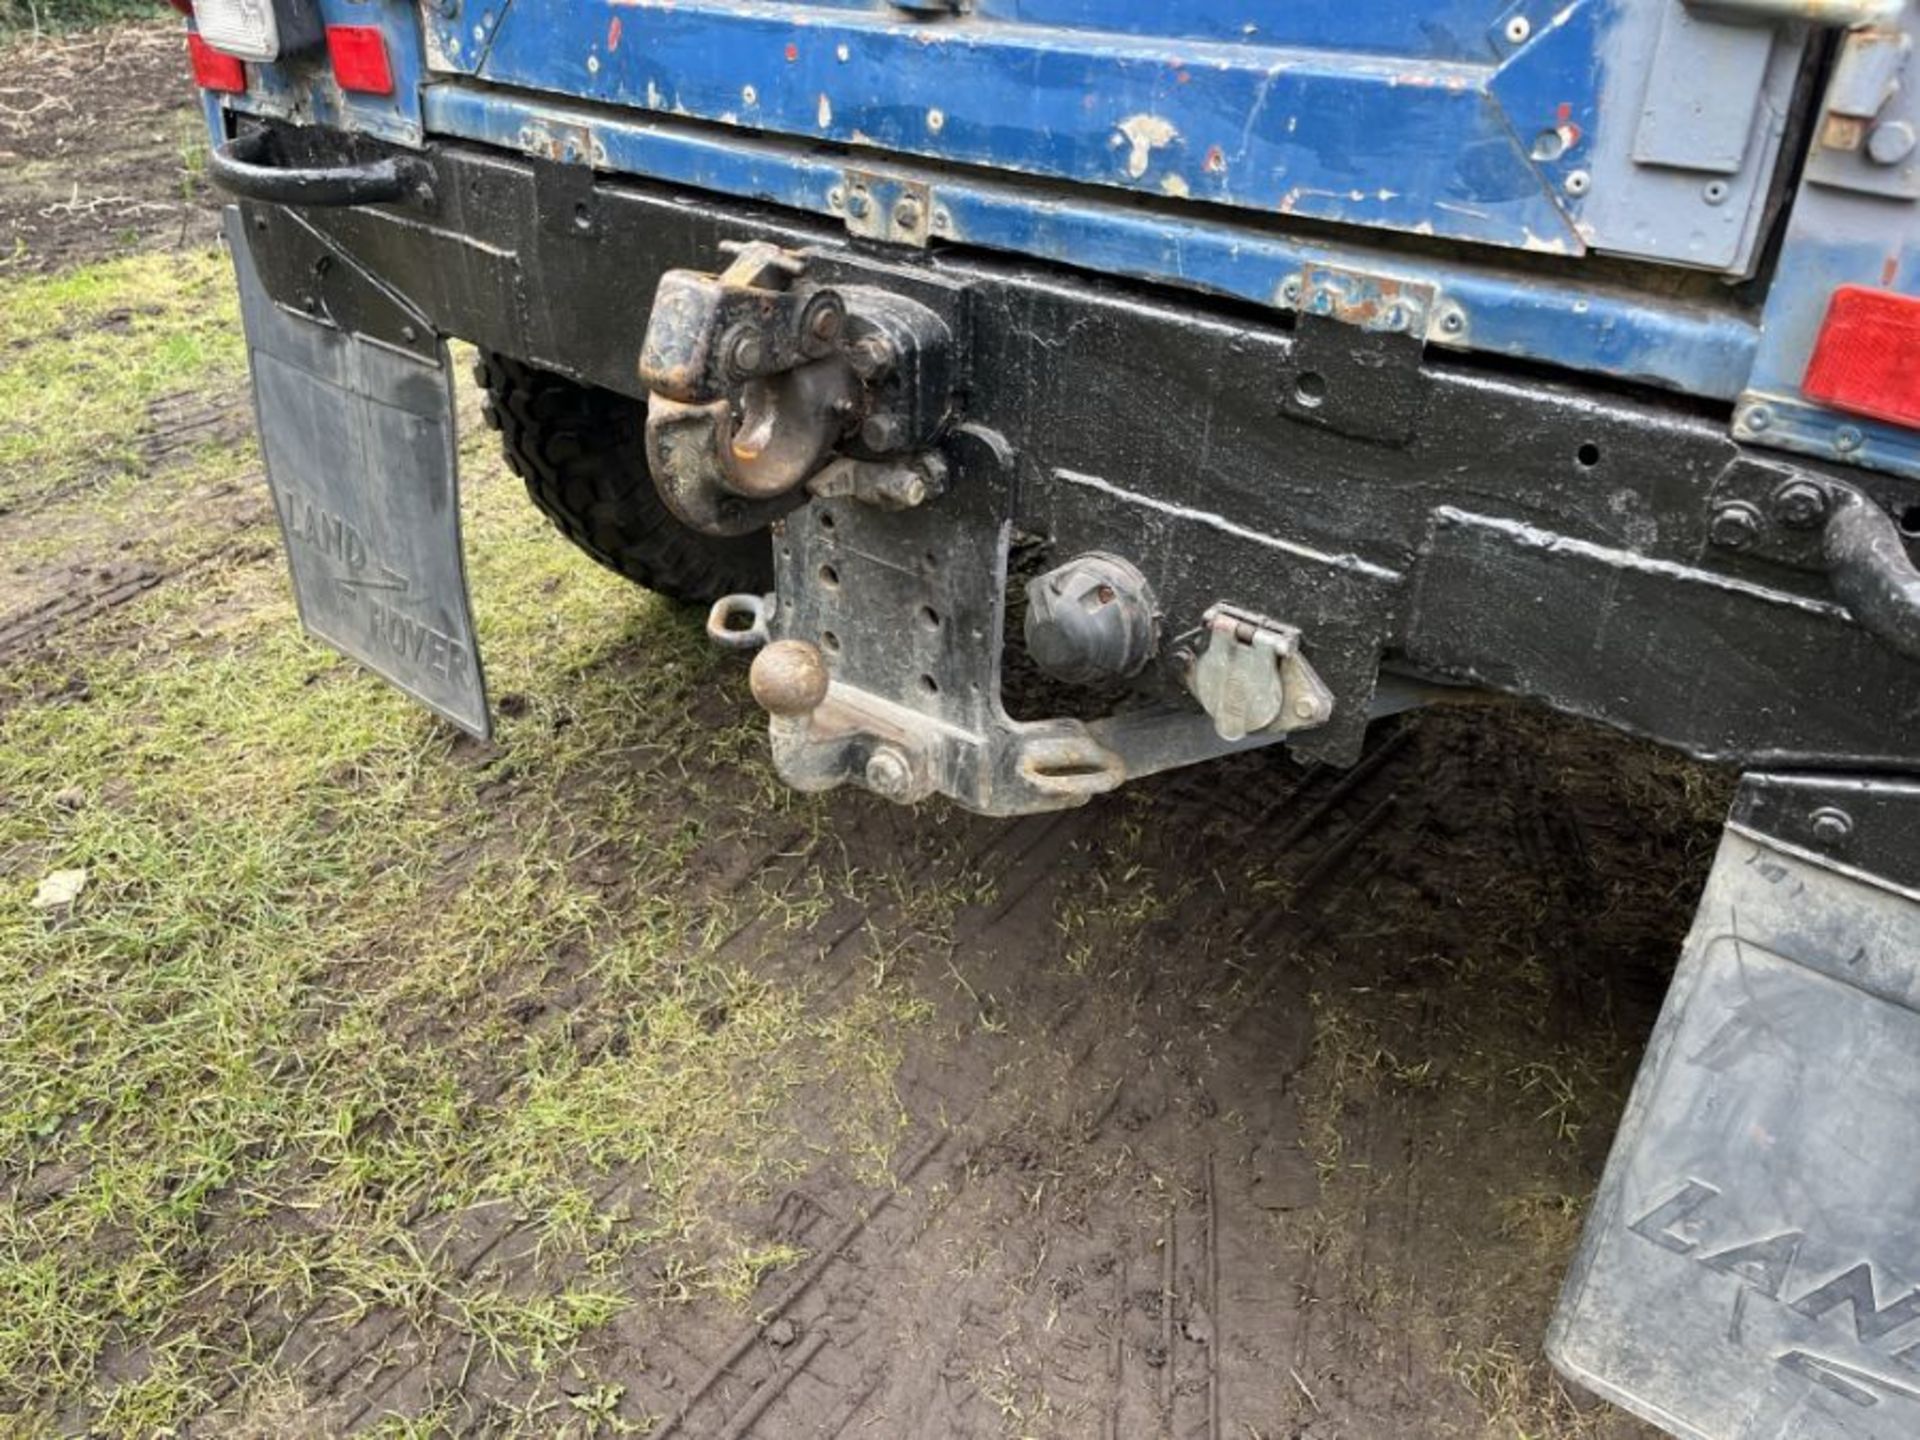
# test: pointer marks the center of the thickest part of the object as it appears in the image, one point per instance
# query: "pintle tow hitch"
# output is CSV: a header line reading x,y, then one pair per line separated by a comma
x,y
758,376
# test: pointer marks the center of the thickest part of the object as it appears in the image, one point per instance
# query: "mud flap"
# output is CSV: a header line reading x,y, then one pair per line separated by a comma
x,y
359,441
1751,1262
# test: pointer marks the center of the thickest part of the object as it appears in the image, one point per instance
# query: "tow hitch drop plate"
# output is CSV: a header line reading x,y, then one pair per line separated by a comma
x,y
359,445
1751,1262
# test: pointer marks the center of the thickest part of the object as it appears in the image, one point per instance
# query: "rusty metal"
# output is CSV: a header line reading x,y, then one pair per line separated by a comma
x,y
888,484
756,375
789,678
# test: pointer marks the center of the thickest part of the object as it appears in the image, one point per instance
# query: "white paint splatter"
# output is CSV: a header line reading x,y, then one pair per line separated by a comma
x,y
1175,185
825,115
1145,134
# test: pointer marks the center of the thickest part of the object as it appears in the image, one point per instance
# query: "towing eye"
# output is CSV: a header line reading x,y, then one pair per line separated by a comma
x,y
1871,573
241,167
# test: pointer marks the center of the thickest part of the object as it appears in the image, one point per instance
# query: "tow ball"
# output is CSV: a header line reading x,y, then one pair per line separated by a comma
x,y
764,386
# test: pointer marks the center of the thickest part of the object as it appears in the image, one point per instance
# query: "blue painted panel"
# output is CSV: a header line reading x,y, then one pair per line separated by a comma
x,y
1437,30
1397,141
1604,330
304,90
1852,223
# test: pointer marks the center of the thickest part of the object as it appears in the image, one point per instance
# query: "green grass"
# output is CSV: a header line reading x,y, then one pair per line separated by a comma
x,y
85,354
47,17
299,1034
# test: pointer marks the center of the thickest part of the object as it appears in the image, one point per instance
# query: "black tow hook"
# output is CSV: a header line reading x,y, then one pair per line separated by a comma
x,y
243,167
1867,561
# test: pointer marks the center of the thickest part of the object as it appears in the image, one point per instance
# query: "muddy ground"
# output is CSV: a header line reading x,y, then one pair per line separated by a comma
x,y
1252,1102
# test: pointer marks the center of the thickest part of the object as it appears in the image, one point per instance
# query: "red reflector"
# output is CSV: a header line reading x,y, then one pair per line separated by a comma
x,y
359,55
214,71
1867,359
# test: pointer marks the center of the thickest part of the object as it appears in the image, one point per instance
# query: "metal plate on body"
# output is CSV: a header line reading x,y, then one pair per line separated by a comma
x,y
359,442
1750,1265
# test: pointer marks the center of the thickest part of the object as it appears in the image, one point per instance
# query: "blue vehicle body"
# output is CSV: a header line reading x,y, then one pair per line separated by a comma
x,y
1643,147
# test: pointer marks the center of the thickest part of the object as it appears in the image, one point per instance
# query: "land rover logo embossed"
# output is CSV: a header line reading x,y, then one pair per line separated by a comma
x,y
1764,1266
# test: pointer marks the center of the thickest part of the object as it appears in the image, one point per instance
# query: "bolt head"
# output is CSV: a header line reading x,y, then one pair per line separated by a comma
x,y
1846,439
746,353
789,678
1756,417
1735,526
882,432
1890,143
1830,825
906,214
889,774
859,206
1800,504
870,355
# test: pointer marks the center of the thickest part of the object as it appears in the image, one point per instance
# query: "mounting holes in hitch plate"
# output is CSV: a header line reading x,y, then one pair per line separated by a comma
x,y
740,621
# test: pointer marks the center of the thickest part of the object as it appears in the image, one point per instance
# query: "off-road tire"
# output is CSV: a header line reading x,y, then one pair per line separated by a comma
x,y
582,453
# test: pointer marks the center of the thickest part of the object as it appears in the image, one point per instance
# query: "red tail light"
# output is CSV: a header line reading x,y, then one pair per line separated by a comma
x,y
360,63
214,71
1867,358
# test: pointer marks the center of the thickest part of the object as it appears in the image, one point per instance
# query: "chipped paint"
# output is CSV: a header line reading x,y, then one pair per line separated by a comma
x,y
936,120
1176,186
1143,134
1575,323
824,116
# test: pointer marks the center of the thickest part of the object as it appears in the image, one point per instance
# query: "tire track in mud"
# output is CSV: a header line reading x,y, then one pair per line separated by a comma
x,y
332,1362
912,1341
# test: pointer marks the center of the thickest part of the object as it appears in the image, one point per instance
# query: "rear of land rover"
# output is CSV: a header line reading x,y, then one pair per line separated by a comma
x,y
1052,393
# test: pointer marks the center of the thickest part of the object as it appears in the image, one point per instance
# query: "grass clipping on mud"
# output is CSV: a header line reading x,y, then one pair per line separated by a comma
x,y
298,1018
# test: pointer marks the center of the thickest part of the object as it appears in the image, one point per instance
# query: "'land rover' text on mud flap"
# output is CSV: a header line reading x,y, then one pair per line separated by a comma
x,y
359,444
1749,1269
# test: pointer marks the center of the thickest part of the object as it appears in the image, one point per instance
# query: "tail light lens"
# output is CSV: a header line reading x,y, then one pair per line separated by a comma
x,y
214,71
246,29
359,54
1867,357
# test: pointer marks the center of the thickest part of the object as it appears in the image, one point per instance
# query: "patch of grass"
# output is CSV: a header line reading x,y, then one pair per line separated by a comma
x,y
347,999
84,357
49,17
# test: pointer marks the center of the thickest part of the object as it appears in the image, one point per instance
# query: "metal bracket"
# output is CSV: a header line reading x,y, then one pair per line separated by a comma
x,y
1866,140
1814,522
1382,303
562,141
1783,422
888,207
1252,678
